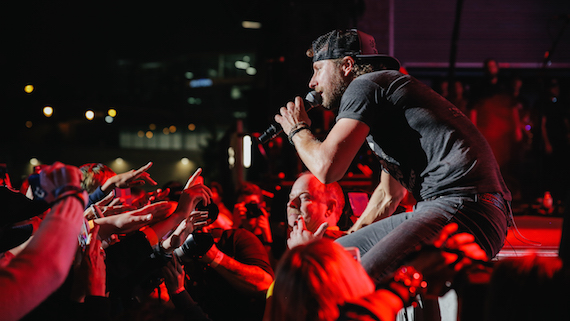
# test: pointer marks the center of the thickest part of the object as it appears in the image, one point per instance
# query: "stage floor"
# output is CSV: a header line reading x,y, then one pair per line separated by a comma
x,y
533,233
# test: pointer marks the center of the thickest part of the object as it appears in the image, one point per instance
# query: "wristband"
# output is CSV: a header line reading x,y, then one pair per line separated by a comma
x,y
77,194
295,131
180,289
216,261
66,188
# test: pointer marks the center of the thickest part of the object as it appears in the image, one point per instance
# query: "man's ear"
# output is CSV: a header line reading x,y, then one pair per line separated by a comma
x,y
331,207
347,66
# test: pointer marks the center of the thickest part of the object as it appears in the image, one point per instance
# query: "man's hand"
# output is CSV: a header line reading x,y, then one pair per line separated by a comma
x,y
129,179
292,114
108,206
300,235
449,254
193,193
174,277
129,221
185,228
58,175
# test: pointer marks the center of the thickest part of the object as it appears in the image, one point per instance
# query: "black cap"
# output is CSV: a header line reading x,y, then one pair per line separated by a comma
x,y
353,43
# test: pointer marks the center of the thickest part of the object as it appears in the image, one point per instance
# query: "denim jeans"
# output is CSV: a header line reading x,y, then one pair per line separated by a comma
x,y
384,244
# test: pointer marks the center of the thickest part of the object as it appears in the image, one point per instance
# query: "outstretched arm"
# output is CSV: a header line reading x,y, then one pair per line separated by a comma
x,y
383,202
43,265
245,277
128,179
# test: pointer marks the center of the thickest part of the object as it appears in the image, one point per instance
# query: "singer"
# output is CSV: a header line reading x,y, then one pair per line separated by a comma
x,y
424,144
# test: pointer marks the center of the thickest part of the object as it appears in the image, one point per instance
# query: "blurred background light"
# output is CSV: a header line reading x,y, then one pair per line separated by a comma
x,y
48,111
89,115
251,25
247,151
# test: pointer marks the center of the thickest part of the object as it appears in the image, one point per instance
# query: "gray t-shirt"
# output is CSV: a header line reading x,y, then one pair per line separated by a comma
x,y
421,139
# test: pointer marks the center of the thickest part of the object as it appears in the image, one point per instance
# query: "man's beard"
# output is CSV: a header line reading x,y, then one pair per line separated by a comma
x,y
332,99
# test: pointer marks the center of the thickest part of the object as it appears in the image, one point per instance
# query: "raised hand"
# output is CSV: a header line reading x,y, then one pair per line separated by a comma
x,y
185,228
130,221
59,175
129,179
300,234
193,193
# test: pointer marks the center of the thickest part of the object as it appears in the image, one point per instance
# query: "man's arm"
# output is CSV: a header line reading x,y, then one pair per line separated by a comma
x,y
327,160
248,278
383,202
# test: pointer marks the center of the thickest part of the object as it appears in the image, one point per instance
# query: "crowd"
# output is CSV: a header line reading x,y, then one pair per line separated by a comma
x,y
75,245
162,256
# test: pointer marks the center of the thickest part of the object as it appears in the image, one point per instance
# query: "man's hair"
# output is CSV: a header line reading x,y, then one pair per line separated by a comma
x,y
95,175
247,188
362,67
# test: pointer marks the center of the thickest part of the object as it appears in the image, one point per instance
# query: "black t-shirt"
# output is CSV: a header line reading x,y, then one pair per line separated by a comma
x,y
219,299
421,139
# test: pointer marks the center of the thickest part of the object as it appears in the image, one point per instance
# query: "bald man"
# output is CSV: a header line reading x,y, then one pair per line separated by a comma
x,y
316,206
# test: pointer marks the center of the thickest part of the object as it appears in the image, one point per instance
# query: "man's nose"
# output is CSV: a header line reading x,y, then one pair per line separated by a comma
x,y
313,82
292,204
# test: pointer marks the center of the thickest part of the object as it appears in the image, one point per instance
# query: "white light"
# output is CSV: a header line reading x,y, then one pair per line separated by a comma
x,y
34,161
48,111
231,157
109,119
89,115
251,24
247,151
241,64
251,71
185,161
119,161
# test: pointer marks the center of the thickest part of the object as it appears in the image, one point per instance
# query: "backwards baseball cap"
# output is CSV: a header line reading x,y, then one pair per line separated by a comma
x,y
351,42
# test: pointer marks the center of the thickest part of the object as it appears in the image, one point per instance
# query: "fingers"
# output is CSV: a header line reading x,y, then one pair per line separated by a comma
x,y
322,229
445,233
115,201
107,199
142,169
193,178
301,223
146,176
198,219
142,174
155,207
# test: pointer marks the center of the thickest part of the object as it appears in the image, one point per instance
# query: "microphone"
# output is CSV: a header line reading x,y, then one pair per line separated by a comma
x,y
312,100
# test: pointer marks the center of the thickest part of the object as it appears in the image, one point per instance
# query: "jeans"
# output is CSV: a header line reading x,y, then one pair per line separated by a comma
x,y
384,244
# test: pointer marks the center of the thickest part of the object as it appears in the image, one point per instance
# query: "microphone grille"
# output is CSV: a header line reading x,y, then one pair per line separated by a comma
x,y
314,98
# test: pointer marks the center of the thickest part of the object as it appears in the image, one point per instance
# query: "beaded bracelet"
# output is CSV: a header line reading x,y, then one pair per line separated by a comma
x,y
412,280
299,124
